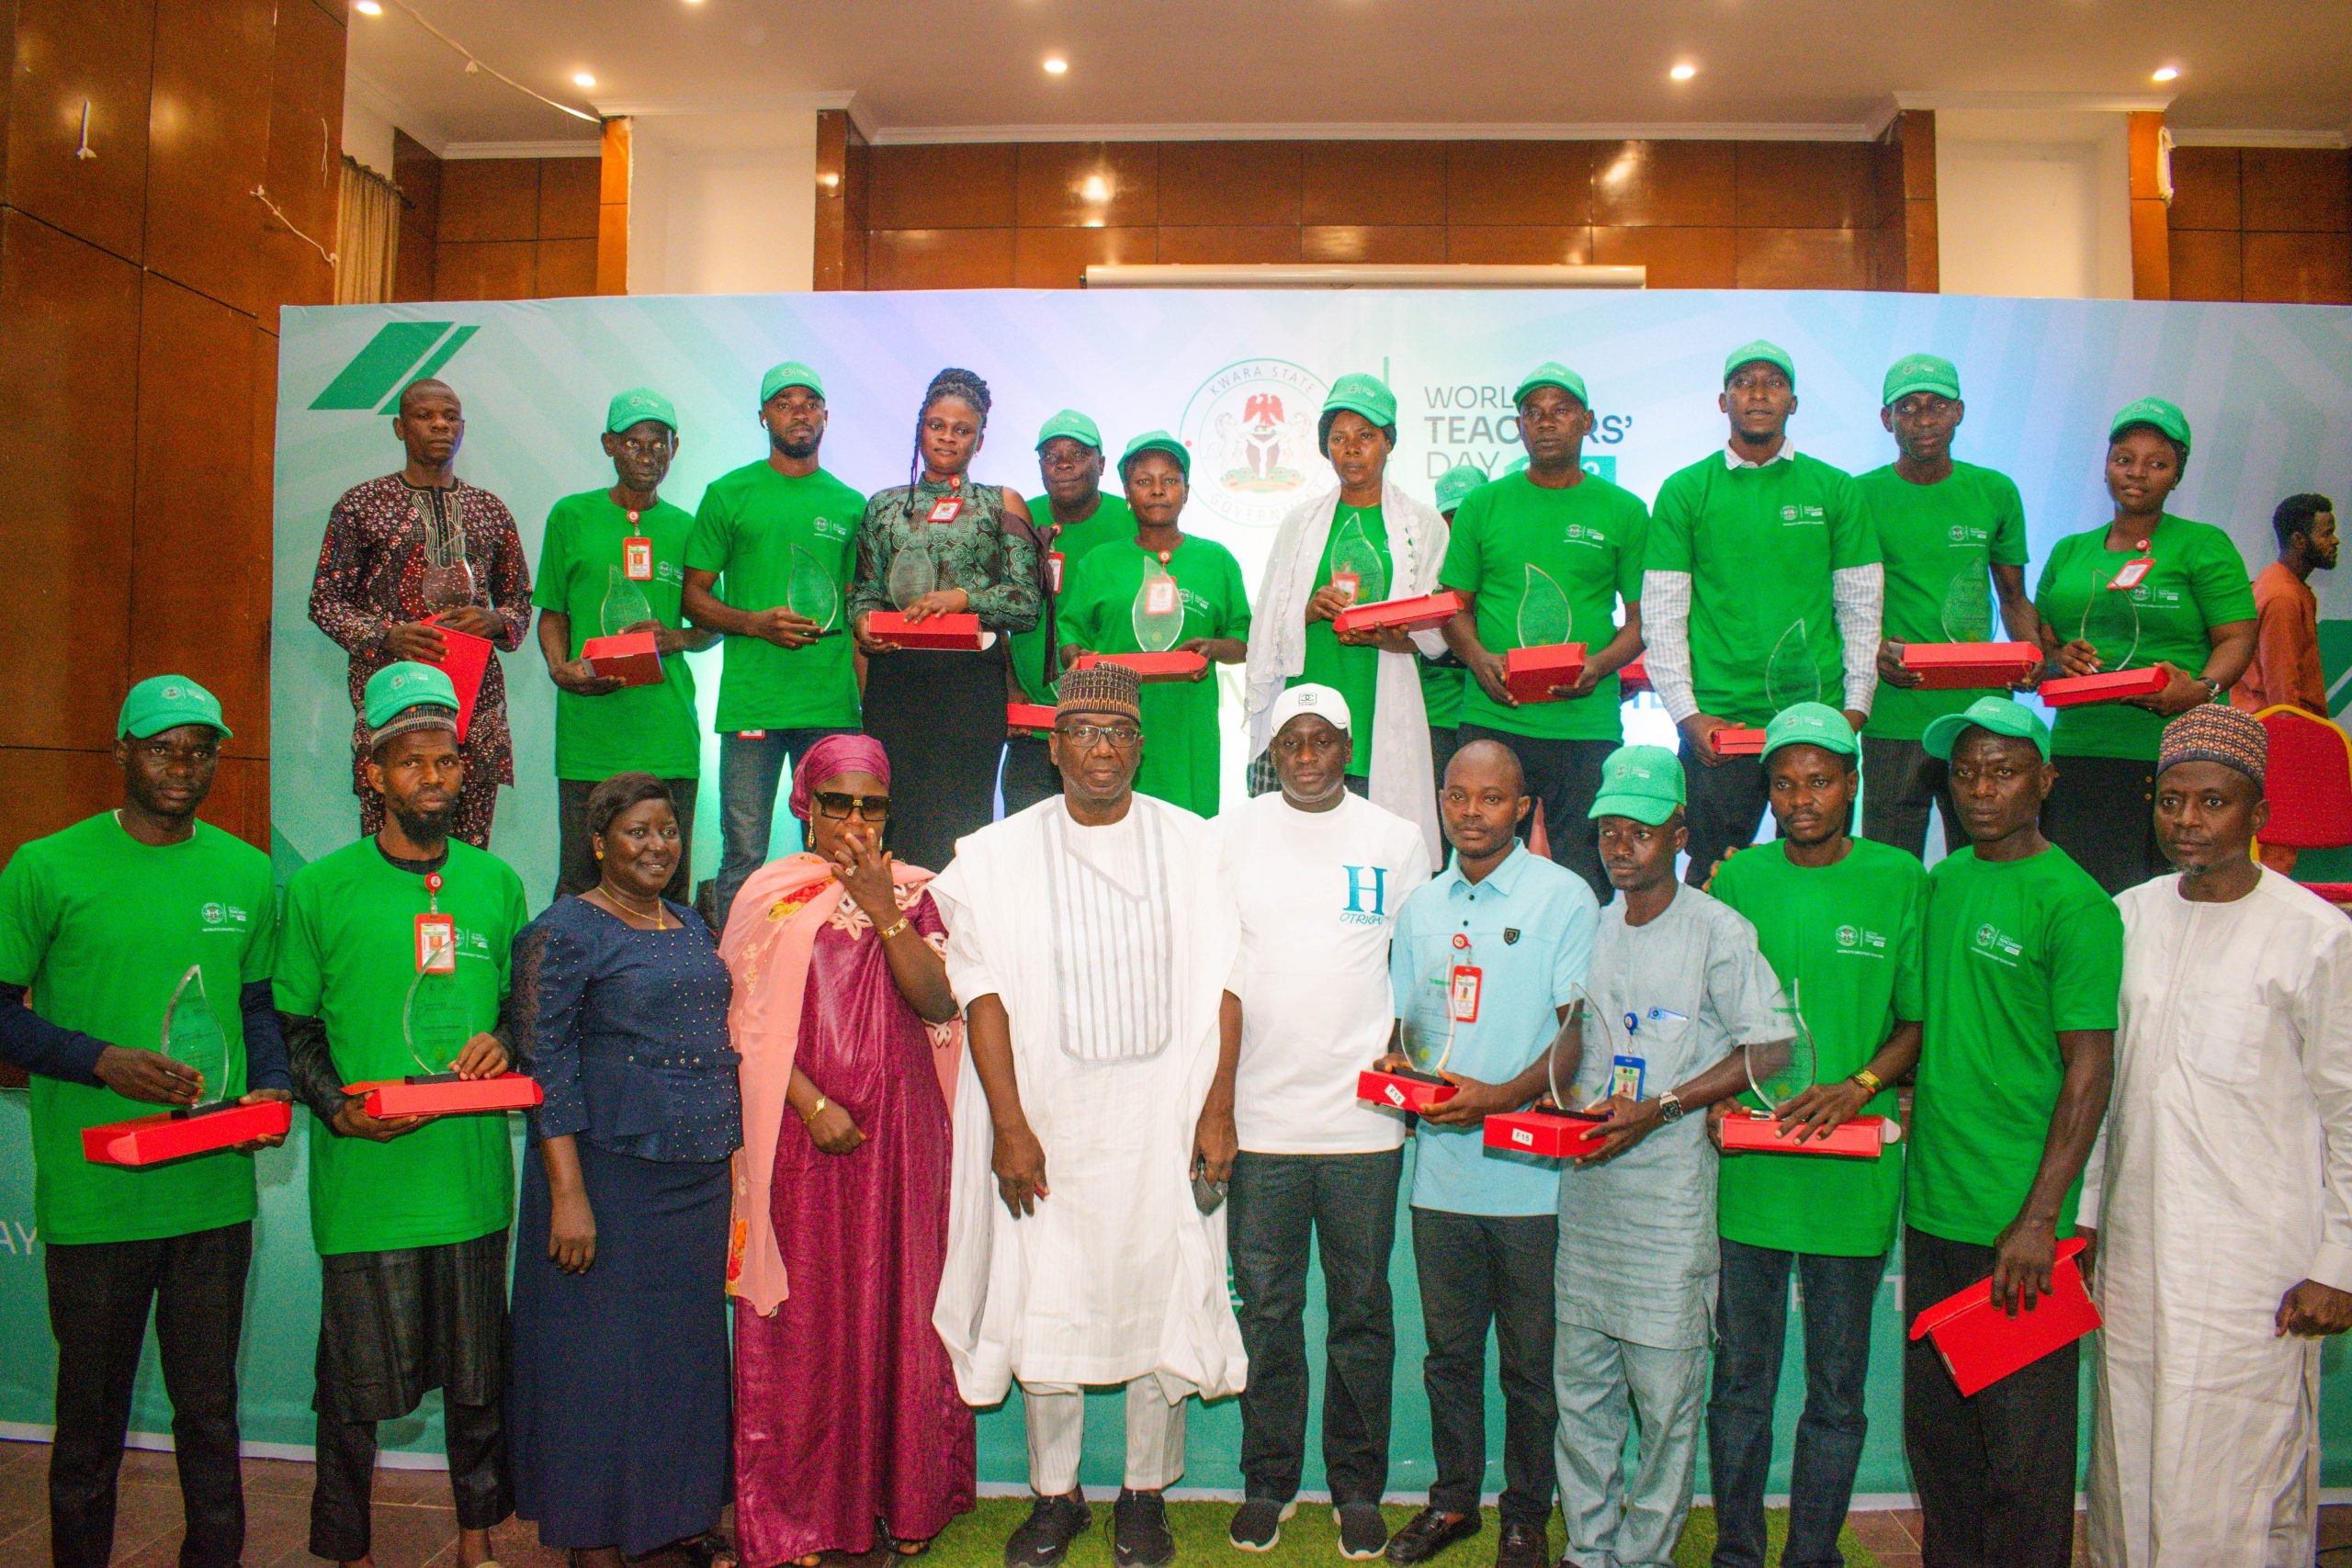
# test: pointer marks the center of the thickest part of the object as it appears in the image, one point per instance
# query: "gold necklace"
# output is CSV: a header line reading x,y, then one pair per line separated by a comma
x,y
660,921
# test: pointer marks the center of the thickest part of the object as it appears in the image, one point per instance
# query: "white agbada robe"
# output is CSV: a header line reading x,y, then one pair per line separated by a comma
x,y
1111,948
2223,1179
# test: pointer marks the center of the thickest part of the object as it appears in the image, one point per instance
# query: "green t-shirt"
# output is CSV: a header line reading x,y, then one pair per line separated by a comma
x,y
650,728
1847,938
1937,540
2016,952
100,927
1590,541
1441,686
1034,651
1182,739
748,523
346,956
1353,672
1760,545
2199,582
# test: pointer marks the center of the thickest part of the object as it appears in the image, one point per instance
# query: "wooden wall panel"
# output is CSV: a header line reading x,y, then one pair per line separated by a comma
x,y
502,269
485,199
1520,245
2297,269
1676,259
1398,243
70,53
1230,185
53,790
1803,258
1235,244
1806,185
2261,224
1523,184
2205,265
939,258
303,159
2205,187
252,739
562,269
569,193
1053,179
952,186
1664,184
1057,258
208,136
1358,183
2297,190
612,208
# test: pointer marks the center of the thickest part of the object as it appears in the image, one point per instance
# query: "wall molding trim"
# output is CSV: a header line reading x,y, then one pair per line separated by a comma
x,y
2212,136
1374,130
593,148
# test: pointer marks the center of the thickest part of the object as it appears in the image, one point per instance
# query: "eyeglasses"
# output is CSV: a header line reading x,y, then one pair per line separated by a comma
x,y
1088,736
839,806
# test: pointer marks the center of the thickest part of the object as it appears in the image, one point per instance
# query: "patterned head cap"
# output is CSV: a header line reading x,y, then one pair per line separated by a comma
x,y
2215,732
1109,689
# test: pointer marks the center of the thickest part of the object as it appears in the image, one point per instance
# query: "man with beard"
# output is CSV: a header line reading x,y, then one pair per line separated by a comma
x,y
104,927
408,1213
1838,919
782,534
2223,1200
609,557
423,543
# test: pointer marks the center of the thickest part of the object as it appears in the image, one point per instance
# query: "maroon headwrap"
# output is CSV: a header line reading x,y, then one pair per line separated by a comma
x,y
830,758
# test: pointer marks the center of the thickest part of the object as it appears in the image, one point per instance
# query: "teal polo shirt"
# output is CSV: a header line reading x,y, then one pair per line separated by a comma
x,y
1530,927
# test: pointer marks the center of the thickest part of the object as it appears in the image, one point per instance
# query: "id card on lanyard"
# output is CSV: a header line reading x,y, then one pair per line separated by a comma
x,y
1160,597
2135,571
1054,572
1464,983
636,558
436,933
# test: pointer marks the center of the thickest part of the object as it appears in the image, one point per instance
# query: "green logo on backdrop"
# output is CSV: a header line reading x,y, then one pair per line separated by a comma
x,y
400,353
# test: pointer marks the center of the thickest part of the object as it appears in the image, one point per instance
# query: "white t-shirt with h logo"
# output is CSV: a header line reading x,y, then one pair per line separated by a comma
x,y
1319,892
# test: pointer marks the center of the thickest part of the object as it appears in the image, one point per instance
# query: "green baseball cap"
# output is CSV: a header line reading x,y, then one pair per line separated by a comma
x,y
1551,373
1810,724
1075,425
1156,441
1998,714
791,372
2164,416
166,701
1456,483
1366,395
1643,783
1917,373
397,687
1761,352
637,404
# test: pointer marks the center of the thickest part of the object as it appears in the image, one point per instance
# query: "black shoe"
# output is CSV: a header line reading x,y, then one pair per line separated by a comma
x,y
1045,1536
1522,1546
1428,1533
1139,1535
1363,1532
1258,1524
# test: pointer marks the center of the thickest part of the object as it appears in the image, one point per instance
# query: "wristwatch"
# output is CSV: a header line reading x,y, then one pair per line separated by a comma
x,y
1669,1108
2212,687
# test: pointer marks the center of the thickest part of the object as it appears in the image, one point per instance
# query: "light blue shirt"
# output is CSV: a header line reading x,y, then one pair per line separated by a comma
x,y
1530,927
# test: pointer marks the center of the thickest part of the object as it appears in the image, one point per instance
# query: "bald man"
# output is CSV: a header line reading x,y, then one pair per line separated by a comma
x,y
422,543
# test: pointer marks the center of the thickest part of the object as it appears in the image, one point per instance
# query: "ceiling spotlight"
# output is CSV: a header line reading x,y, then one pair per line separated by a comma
x,y
1055,65
583,79
2165,74
1683,72
368,7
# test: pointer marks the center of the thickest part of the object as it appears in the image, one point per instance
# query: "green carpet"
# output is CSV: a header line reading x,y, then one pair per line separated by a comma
x,y
977,1541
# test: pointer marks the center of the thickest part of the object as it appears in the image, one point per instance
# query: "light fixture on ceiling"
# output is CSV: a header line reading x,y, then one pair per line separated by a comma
x,y
1096,188
368,7
1684,71
1055,65
2165,74
583,79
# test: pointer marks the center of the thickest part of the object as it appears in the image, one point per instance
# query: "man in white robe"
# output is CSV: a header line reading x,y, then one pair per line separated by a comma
x,y
1092,942
2224,1192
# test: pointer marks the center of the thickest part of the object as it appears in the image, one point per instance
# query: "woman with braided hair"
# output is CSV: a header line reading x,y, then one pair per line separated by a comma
x,y
941,714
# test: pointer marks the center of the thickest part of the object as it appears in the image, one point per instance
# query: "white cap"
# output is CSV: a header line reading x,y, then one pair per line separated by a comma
x,y
1309,697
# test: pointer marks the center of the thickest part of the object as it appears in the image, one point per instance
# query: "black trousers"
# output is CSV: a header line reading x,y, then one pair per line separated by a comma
x,y
1995,1471
1726,804
1900,783
99,1295
1028,774
1347,1205
1477,1271
2102,811
1564,775
575,856
474,1436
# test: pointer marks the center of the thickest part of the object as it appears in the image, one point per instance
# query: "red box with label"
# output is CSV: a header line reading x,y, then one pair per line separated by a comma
x,y
1026,717
635,657
447,1096
1403,1091
151,1140
1529,674
1169,666
1738,740
464,657
1969,666
1634,680
1554,1134
1752,1131
1424,613
1980,1344
951,634
2107,686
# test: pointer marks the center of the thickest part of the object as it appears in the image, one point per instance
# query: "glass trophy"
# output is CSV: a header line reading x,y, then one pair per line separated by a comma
x,y
1778,1071
1968,607
1425,1025
1545,662
2110,621
435,1024
1357,566
1781,1069
1790,673
1157,616
1558,1126
192,1036
913,573
446,580
1543,617
810,592
625,603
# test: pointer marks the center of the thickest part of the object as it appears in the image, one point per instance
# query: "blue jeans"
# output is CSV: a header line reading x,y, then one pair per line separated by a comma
x,y
748,769
1751,1322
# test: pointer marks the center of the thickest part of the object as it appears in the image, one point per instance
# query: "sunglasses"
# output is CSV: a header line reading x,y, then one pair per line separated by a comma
x,y
840,805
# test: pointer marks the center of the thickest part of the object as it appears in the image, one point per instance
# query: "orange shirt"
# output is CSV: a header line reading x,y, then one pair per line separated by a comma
x,y
2286,646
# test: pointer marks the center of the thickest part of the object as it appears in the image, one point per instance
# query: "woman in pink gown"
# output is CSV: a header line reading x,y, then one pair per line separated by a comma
x,y
847,1420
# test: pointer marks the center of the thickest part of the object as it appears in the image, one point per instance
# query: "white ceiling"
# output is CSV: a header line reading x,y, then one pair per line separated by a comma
x,y
915,71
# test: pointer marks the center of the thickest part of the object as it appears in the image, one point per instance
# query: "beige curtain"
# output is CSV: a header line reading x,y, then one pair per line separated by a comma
x,y
368,237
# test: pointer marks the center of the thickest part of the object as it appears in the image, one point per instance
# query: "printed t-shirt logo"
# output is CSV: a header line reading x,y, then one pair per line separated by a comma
x,y
1367,896
217,917
1803,512
828,528
1251,429
1998,947
1860,941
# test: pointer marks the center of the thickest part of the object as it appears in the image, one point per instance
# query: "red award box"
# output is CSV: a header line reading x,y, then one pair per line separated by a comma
x,y
1025,717
1169,666
632,656
1752,1131
464,657
151,1140
1555,1134
1424,613
953,634
2107,686
1529,674
1981,1344
1634,680
1735,740
446,1095
1403,1091
1968,666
